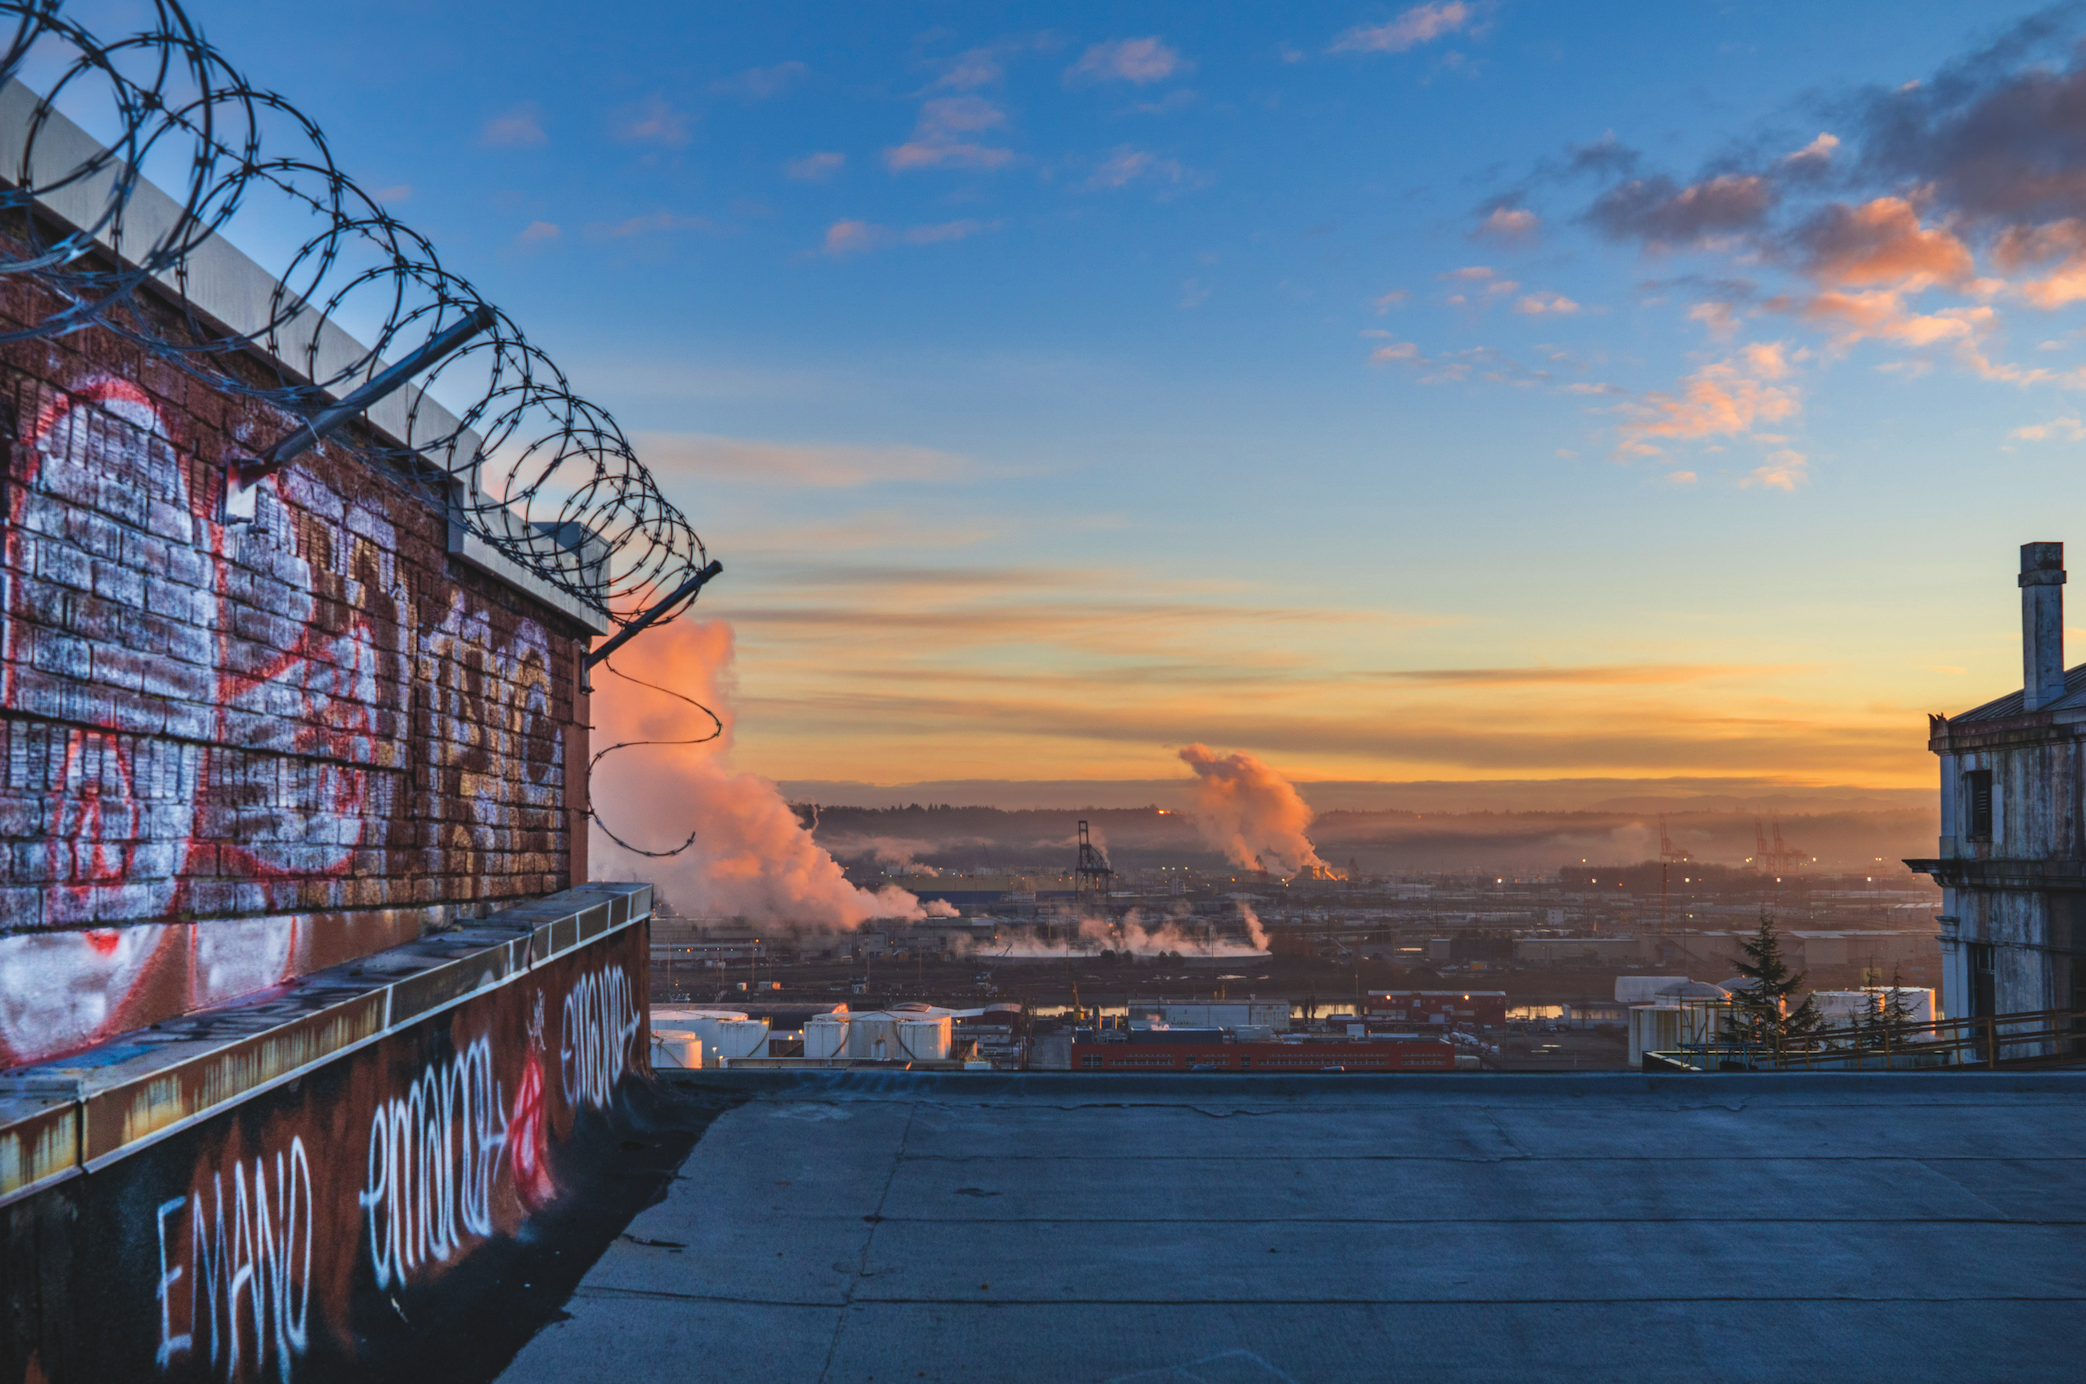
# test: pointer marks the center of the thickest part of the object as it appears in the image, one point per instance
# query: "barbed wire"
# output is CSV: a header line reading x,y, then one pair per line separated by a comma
x,y
716,732
179,143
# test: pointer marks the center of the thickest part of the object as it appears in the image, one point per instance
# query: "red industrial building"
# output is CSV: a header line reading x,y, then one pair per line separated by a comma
x,y
1439,1008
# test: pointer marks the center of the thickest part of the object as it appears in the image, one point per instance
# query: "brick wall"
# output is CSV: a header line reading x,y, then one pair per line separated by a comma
x,y
231,753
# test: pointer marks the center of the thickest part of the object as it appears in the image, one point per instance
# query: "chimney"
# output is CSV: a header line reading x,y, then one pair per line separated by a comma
x,y
2042,624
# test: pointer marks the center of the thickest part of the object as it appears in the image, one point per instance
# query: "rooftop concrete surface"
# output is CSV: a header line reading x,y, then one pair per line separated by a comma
x,y
870,1226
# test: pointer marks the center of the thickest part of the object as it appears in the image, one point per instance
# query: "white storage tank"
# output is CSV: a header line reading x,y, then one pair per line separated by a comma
x,y
825,1035
1643,989
911,1033
1653,1028
676,1050
1689,1011
723,1033
873,1037
924,1038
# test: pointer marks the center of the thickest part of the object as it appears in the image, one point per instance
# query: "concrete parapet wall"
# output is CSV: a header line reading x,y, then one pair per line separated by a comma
x,y
1428,1088
278,1188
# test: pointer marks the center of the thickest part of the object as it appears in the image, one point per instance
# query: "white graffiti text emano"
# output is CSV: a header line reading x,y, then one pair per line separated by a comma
x,y
601,1024
249,1280
434,1156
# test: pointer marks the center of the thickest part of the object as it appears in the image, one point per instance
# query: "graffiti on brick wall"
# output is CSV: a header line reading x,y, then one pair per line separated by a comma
x,y
240,1285
376,1181
601,1023
204,720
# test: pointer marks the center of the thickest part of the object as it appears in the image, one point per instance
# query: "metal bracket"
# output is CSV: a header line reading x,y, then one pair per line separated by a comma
x,y
686,591
243,478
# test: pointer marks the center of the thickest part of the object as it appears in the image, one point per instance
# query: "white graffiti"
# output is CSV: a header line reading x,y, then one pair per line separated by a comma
x,y
249,1279
601,1024
434,1156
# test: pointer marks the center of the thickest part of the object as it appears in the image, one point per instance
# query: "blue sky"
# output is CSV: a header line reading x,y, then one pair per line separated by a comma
x,y
1460,390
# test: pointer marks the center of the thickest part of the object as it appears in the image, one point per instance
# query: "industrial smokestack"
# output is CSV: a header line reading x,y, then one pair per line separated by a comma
x,y
2042,624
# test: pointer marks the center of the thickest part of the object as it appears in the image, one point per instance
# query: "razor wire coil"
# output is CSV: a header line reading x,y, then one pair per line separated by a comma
x,y
541,475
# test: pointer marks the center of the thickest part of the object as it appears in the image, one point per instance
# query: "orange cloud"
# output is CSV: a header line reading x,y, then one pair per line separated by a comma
x,y
1878,314
1882,242
1510,224
2020,247
1725,399
1784,471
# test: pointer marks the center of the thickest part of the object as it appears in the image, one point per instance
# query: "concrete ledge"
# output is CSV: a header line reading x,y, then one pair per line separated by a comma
x,y
80,1113
858,1082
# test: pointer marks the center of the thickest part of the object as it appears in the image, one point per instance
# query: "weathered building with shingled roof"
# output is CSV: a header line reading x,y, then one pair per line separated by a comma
x,y
2012,858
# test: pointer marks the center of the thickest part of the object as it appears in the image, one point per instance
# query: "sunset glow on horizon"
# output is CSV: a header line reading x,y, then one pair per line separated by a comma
x,y
1458,391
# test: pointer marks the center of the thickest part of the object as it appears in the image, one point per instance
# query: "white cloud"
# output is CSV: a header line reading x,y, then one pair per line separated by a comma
x,y
1510,224
1543,303
761,83
1136,60
653,121
1127,165
815,168
938,141
1418,25
854,237
947,230
538,231
2067,429
1818,151
860,237
519,128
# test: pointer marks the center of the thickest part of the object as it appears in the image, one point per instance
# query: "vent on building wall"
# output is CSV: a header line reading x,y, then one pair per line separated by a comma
x,y
1977,800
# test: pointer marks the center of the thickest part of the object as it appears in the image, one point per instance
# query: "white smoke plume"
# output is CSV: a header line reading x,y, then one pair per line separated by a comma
x,y
752,857
1132,935
1250,812
1254,930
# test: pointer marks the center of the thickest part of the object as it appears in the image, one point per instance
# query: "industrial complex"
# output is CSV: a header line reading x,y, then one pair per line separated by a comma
x,y
327,1054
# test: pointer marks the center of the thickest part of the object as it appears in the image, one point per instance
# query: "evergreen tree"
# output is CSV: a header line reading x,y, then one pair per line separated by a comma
x,y
1894,1015
1765,1014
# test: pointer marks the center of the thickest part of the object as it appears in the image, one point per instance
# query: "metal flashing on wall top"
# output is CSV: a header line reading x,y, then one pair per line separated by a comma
x,y
80,1113
472,551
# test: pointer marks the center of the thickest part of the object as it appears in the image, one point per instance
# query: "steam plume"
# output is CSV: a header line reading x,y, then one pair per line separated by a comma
x,y
752,857
1250,812
1254,930
1132,934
